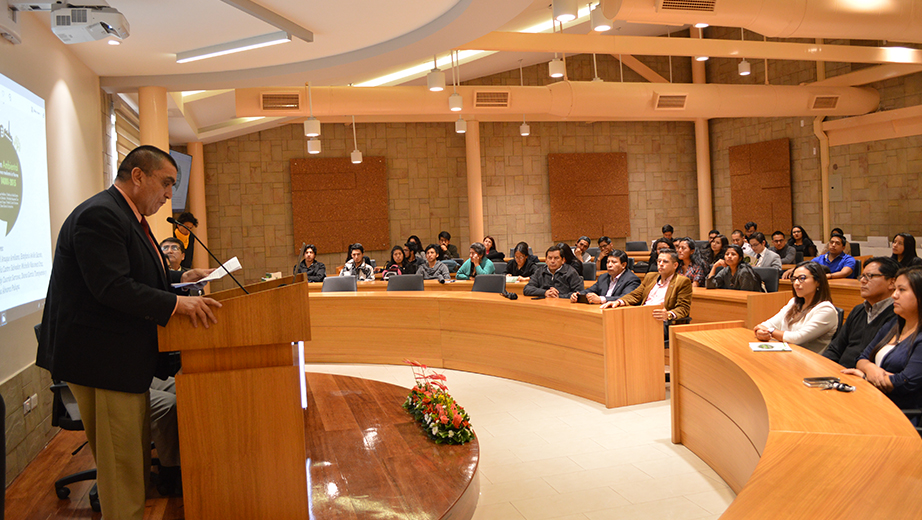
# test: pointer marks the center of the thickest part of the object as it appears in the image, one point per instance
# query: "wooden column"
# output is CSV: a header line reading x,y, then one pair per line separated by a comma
x,y
152,112
196,200
702,155
474,182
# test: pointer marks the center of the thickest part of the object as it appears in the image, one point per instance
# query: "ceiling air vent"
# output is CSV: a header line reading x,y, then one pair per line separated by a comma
x,y
491,99
281,101
824,102
700,6
669,101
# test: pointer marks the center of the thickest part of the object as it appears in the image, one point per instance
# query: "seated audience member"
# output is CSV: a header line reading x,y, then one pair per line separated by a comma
x,y
477,264
570,259
667,234
865,320
164,433
315,271
174,252
414,253
556,279
713,233
605,249
614,283
492,253
801,242
904,250
692,264
781,248
840,263
658,245
733,273
413,239
750,227
433,269
666,290
809,319
448,252
582,245
398,264
523,264
357,266
764,257
737,238
187,221
719,245
892,362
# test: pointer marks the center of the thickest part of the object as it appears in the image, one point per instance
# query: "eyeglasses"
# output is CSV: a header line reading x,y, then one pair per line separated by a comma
x,y
867,277
802,278
172,247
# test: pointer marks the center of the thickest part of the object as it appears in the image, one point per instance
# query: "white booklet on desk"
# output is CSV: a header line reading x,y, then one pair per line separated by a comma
x,y
769,346
231,265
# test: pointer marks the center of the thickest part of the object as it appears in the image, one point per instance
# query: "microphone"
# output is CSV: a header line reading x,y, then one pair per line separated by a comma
x,y
175,222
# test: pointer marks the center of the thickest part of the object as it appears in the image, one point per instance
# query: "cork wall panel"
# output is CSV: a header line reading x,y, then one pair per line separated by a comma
x,y
588,195
337,203
760,185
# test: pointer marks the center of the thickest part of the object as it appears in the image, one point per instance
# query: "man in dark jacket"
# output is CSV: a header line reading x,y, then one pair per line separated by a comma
x,y
556,279
866,319
109,290
614,283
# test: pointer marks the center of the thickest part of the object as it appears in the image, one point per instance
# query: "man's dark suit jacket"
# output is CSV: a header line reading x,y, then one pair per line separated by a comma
x,y
108,292
626,283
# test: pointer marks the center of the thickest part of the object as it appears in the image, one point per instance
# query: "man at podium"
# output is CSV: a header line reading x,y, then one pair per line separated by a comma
x,y
109,290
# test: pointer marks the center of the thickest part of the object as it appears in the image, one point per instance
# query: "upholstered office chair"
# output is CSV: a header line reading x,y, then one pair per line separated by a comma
x,y
841,314
500,267
798,257
914,414
493,283
636,246
630,264
339,284
594,252
512,252
769,276
588,271
855,248
405,282
702,244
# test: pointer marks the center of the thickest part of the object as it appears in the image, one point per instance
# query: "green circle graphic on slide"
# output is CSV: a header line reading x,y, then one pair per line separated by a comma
x,y
10,182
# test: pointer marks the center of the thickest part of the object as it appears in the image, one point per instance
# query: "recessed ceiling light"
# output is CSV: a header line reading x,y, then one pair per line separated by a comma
x,y
114,42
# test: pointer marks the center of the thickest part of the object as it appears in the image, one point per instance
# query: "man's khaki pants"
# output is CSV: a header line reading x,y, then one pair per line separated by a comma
x,y
117,427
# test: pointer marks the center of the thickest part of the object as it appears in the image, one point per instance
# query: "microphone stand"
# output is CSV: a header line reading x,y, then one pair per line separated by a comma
x,y
172,220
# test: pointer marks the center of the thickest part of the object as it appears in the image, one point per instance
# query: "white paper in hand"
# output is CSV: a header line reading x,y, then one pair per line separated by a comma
x,y
231,265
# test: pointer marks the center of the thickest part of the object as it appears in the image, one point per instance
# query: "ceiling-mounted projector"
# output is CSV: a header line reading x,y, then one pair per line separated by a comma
x,y
78,24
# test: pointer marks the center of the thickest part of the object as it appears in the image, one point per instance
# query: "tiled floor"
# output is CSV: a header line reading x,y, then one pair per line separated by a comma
x,y
550,455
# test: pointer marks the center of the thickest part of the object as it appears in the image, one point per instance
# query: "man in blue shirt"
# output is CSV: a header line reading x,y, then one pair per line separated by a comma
x,y
840,264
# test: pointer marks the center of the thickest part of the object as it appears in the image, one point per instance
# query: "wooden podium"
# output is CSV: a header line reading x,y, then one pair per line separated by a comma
x,y
239,399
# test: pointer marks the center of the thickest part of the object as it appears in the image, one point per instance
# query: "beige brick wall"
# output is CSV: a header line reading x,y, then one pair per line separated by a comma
x,y
27,434
881,179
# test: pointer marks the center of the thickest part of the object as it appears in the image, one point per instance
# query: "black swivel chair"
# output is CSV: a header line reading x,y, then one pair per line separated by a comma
x,y
594,252
339,284
492,283
702,244
499,267
405,282
914,414
769,276
855,248
636,246
798,257
588,271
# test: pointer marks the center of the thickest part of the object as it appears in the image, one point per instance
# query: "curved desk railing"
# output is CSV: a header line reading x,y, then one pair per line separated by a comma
x,y
787,450
613,357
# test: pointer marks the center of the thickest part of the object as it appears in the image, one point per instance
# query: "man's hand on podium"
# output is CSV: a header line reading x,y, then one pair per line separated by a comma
x,y
197,308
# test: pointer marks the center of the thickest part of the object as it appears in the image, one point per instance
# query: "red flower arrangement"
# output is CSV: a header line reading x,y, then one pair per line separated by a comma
x,y
444,420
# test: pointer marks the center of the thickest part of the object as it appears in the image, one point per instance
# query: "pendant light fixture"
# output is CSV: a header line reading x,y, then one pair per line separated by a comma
x,y
460,126
455,102
701,37
556,68
524,129
565,10
436,78
744,67
312,125
597,19
313,146
356,154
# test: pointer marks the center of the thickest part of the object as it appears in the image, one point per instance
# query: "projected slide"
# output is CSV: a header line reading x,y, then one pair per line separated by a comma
x,y
25,228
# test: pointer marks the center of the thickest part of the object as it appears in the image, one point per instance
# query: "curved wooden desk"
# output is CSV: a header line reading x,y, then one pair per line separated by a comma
x,y
787,450
367,456
613,357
